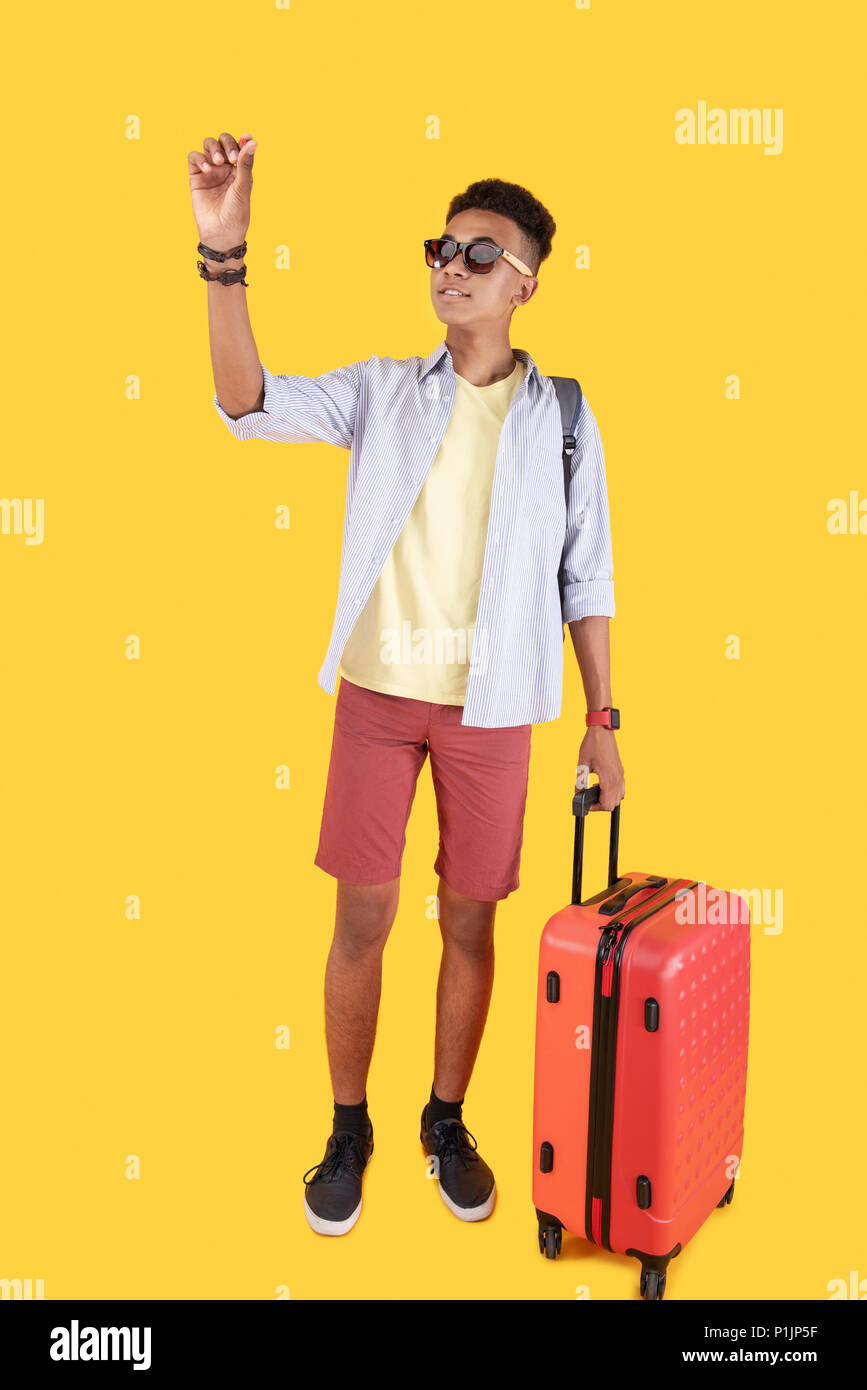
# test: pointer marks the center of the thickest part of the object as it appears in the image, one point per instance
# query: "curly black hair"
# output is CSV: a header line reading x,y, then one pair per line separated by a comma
x,y
511,200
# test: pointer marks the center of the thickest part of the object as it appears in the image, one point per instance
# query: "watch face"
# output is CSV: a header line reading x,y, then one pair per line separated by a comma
x,y
615,718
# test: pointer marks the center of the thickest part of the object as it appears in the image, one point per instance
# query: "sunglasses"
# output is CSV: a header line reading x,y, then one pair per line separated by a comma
x,y
479,256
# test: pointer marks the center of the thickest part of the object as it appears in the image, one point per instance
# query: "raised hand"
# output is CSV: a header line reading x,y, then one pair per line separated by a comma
x,y
221,180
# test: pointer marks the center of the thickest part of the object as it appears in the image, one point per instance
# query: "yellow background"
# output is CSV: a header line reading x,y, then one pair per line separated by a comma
x,y
157,777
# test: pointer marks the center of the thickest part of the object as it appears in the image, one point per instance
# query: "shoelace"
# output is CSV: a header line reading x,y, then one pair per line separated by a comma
x,y
345,1153
452,1142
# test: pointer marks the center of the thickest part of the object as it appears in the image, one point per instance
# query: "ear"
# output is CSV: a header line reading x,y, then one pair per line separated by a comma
x,y
528,290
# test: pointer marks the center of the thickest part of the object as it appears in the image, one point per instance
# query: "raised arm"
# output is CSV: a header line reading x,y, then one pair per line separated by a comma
x,y
221,182
252,402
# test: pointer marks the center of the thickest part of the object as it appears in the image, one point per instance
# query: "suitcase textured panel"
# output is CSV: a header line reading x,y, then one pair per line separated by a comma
x,y
641,1057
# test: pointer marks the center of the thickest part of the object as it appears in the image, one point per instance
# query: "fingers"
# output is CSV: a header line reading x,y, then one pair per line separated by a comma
x,y
213,151
610,794
230,147
217,153
197,162
608,799
244,167
204,160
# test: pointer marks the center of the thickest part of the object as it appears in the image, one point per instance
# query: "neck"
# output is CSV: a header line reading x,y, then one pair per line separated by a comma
x,y
478,360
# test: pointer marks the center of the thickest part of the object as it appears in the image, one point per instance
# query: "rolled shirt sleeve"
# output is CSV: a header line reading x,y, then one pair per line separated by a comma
x,y
303,409
588,587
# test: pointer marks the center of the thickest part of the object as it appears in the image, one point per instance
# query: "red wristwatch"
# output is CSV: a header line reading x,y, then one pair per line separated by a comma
x,y
607,718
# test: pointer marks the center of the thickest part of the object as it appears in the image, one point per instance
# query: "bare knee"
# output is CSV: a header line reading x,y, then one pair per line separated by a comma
x,y
467,924
365,914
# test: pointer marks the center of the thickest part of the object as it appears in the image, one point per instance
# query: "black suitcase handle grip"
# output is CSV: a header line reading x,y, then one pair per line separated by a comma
x,y
581,803
584,799
612,906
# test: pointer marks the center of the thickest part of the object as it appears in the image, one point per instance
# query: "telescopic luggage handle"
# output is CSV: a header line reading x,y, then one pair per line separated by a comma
x,y
581,803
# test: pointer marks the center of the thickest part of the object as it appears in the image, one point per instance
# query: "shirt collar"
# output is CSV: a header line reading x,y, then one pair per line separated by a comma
x,y
441,352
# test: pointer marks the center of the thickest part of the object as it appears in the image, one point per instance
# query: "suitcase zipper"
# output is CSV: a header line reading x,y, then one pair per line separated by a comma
x,y
600,1047
609,941
604,1046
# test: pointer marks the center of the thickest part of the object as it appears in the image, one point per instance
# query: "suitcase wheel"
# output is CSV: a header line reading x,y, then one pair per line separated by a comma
x,y
726,1199
550,1240
652,1283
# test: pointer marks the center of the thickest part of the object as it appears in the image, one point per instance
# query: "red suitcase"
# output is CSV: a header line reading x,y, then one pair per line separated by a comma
x,y
642,1029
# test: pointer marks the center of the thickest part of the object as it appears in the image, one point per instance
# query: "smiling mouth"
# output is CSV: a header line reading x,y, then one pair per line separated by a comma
x,y
455,294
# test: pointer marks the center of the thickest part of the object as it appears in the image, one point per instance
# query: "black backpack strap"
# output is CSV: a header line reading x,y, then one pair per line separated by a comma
x,y
571,399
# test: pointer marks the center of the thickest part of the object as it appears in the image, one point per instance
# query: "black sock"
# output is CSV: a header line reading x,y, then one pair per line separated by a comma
x,y
443,1109
352,1118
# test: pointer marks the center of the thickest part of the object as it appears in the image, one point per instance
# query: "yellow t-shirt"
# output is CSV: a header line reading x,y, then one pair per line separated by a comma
x,y
414,636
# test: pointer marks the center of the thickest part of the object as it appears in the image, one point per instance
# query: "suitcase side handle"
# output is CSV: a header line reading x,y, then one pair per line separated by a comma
x,y
581,803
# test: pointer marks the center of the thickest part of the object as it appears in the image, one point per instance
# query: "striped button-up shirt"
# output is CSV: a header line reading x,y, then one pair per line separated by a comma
x,y
391,415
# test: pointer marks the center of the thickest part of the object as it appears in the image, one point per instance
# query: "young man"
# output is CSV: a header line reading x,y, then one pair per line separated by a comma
x,y
448,634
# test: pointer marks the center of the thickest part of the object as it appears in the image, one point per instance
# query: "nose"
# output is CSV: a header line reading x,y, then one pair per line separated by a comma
x,y
455,270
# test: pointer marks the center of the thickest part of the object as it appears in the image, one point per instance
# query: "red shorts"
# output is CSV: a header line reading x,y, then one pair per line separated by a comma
x,y
479,776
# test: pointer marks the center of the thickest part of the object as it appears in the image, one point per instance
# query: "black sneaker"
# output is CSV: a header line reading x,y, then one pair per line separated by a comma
x,y
332,1198
466,1182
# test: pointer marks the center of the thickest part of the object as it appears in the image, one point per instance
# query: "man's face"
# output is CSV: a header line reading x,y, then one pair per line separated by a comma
x,y
484,299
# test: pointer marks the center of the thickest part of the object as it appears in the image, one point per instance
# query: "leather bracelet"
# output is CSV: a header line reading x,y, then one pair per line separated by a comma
x,y
234,255
225,277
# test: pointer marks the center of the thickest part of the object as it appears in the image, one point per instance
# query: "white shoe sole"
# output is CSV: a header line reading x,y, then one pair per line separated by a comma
x,y
478,1213
332,1228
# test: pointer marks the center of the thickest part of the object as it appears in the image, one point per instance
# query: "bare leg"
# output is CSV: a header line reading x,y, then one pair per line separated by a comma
x,y
353,981
466,979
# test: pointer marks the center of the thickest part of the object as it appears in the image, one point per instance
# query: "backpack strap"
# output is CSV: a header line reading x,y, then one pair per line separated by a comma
x,y
571,399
